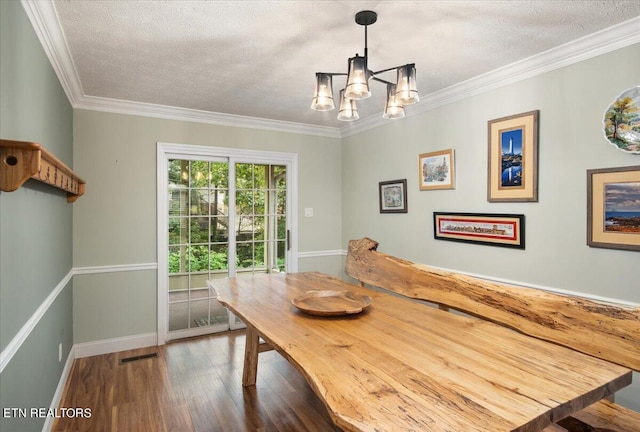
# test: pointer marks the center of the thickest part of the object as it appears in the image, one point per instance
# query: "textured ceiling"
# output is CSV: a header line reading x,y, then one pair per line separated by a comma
x,y
258,58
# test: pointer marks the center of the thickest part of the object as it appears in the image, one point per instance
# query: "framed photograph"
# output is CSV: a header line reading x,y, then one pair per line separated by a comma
x,y
613,208
505,230
513,158
393,196
436,170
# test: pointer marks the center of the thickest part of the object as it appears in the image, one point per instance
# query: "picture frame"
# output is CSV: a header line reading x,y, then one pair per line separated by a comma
x,y
436,170
613,208
393,196
513,158
491,229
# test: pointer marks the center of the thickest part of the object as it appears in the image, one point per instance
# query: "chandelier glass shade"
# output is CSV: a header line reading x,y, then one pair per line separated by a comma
x,y
323,96
399,94
357,79
348,110
407,90
394,108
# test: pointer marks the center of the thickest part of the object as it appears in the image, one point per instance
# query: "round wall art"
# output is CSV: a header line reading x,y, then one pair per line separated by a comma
x,y
622,121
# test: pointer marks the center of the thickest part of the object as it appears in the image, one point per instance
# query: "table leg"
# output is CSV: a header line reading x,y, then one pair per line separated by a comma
x,y
251,350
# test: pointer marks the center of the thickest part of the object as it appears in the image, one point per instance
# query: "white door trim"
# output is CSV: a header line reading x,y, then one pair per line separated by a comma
x,y
166,151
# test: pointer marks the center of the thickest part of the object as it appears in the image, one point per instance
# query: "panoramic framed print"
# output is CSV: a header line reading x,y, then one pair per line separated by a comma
x,y
505,230
513,158
613,208
393,196
436,170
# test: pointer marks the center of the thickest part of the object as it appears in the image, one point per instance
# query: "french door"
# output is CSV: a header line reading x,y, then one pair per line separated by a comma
x,y
225,213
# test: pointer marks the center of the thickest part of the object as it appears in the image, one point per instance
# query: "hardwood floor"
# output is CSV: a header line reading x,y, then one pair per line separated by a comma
x,y
192,385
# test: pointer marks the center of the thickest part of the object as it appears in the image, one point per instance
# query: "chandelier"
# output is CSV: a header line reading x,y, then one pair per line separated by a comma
x,y
403,92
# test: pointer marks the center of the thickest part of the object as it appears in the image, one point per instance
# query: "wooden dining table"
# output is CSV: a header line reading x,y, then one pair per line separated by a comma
x,y
401,365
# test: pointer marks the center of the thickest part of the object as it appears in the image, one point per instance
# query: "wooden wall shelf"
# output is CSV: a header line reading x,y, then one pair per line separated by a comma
x,y
22,160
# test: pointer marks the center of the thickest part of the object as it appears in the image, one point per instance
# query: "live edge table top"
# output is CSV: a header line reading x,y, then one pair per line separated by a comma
x,y
401,365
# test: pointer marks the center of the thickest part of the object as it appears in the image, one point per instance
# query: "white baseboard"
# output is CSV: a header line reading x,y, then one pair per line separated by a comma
x,y
57,396
106,346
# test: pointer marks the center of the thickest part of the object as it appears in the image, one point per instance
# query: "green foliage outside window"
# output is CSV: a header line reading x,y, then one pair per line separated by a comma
x,y
196,258
196,186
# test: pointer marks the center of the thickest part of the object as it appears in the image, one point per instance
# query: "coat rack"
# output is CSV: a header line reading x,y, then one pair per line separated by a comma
x,y
22,160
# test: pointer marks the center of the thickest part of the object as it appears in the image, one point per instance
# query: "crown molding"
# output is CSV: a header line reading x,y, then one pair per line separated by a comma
x,y
46,24
120,106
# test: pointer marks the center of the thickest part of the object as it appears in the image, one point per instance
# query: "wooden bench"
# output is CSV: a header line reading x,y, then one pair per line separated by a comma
x,y
602,330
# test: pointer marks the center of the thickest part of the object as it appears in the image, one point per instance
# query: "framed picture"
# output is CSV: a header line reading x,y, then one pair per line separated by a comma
x,y
393,196
436,170
613,208
505,230
513,158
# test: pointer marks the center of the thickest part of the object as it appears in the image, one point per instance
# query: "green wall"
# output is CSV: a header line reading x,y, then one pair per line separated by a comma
x,y
35,224
572,101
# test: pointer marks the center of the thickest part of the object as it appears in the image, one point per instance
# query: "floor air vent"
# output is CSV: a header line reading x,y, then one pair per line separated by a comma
x,y
140,357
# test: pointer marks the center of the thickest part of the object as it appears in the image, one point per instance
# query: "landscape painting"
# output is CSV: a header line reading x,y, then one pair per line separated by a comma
x,y
622,207
613,208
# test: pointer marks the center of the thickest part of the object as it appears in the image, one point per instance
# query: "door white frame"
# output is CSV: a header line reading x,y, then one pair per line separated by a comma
x,y
166,151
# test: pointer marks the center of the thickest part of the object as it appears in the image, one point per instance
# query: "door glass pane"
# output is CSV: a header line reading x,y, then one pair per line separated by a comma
x,y
178,174
179,202
219,202
245,255
178,260
178,230
200,313
199,174
178,283
281,255
281,205
218,230
178,314
259,224
260,216
198,241
282,228
199,229
219,258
